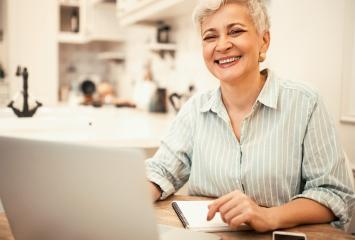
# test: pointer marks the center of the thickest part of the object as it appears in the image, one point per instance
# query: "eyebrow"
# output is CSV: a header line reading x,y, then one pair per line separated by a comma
x,y
228,27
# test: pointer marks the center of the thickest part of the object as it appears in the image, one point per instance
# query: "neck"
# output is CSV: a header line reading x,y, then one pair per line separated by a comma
x,y
242,94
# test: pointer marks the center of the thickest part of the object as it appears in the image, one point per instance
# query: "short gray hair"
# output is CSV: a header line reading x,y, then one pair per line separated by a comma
x,y
257,11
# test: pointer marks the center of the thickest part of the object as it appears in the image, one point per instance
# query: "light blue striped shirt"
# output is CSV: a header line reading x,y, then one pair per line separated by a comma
x,y
288,149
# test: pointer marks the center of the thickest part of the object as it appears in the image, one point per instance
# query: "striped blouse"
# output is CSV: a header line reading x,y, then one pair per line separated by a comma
x,y
288,149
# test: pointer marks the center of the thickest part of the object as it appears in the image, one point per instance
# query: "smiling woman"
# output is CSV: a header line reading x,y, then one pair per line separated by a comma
x,y
264,146
232,26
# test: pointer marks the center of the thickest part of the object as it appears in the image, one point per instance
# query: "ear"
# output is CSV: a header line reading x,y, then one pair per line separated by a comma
x,y
265,42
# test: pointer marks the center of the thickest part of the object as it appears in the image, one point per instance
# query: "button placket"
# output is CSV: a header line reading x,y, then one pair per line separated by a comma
x,y
243,141
243,136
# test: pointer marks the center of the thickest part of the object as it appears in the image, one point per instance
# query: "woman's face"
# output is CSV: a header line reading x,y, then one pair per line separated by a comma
x,y
231,44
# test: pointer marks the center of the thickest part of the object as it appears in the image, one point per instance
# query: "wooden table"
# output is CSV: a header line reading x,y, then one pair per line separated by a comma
x,y
166,215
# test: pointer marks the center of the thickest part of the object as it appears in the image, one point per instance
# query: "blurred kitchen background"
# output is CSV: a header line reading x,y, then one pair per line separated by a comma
x,y
104,70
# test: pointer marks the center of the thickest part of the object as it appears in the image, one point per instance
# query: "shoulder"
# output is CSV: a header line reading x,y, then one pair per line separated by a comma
x,y
201,100
192,107
188,115
301,90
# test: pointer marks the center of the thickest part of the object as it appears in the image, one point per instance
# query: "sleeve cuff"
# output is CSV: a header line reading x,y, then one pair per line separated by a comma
x,y
166,187
331,201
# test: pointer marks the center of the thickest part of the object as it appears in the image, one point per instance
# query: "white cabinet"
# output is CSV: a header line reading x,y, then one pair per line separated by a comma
x,y
4,86
102,22
4,93
31,31
348,84
151,11
2,19
97,21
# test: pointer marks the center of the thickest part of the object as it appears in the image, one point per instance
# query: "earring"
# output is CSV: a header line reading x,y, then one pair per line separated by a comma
x,y
262,57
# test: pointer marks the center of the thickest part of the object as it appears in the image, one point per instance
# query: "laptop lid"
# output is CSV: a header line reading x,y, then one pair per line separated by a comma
x,y
350,226
53,190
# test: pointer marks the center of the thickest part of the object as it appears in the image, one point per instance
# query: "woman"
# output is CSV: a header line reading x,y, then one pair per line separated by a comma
x,y
266,148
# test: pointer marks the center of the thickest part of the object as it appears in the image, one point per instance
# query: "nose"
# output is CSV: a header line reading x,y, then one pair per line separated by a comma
x,y
223,44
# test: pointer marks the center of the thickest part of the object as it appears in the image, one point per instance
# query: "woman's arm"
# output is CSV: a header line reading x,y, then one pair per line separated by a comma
x,y
237,208
170,166
301,211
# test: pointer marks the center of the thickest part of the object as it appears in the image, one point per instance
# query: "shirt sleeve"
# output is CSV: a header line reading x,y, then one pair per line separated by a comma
x,y
170,166
325,175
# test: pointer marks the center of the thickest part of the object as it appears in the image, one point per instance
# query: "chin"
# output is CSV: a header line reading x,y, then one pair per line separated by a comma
x,y
228,74
228,78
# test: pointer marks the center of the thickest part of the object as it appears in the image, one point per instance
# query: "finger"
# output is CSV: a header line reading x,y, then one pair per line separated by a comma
x,y
239,220
214,206
232,203
233,213
211,212
220,201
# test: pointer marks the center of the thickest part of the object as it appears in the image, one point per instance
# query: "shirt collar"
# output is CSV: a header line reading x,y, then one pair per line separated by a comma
x,y
214,103
268,95
270,92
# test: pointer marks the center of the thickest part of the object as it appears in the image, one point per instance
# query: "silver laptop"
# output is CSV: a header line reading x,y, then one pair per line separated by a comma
x,y
53,190
350,227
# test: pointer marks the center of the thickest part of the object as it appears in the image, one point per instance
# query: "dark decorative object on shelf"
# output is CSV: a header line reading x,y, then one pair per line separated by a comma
x,y
177,100
158,101
88,88
26,112
163,33
74,21
2,73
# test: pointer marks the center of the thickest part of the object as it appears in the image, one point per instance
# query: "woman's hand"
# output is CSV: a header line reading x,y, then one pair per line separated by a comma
x,y
237,208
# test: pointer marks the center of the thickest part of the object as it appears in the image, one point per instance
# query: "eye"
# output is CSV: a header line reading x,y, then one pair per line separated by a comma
x,y
209,37
236,32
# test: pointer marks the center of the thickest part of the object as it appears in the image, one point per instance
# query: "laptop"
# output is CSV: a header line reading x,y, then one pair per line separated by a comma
x,y
350,226
55,191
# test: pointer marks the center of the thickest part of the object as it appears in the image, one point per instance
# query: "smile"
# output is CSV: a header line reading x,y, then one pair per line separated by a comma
x,y
227,60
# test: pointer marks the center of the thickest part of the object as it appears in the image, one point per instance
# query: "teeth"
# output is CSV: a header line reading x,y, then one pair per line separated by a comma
x,y
228,60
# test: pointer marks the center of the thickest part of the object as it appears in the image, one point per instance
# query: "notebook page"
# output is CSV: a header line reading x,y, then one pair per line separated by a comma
x,y
195,212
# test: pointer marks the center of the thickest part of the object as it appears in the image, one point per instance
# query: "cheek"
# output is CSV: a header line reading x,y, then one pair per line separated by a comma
x,y
249,46
207,52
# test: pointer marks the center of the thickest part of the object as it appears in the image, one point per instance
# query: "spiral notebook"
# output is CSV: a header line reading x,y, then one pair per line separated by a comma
x,y
193,215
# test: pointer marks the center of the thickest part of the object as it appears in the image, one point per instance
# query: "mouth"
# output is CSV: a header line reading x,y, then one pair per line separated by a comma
x,y
227,60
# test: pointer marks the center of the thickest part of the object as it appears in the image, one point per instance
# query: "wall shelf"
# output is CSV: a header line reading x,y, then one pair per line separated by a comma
x,y
69,3
151,11
74,38
162,47
103,1
116,56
